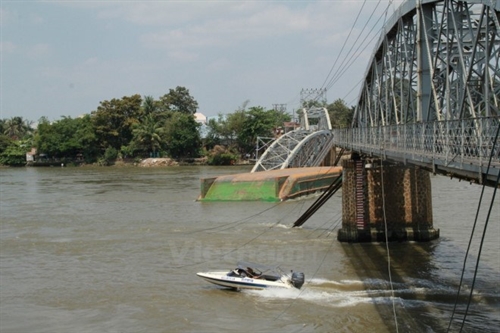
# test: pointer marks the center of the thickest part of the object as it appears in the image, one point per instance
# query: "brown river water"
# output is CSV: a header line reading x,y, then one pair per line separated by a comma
x,y
117,250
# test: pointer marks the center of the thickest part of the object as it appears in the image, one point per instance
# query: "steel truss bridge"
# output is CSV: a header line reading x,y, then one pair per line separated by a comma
x,y
431,92
306,146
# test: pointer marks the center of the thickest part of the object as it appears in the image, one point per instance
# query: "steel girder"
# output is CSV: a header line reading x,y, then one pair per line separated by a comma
x,y
311,151
436,60
306,146
295,149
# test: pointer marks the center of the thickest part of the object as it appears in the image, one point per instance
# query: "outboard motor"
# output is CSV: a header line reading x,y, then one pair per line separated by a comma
x,y
298,279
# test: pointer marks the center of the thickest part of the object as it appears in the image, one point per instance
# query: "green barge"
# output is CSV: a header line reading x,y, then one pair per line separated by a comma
x,y
274,185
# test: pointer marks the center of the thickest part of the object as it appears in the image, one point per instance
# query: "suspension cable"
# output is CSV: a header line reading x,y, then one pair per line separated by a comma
x,y
234,223
472,235
238,247
312,277
387,246
479,252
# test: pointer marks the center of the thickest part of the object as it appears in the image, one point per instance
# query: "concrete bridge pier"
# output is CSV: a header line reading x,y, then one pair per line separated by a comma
x,y
373,193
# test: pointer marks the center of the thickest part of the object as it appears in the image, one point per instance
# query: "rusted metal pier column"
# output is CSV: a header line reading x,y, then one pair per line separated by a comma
x,y
404,203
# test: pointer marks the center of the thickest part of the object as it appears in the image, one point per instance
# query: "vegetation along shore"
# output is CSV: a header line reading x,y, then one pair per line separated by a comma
x,y
133,129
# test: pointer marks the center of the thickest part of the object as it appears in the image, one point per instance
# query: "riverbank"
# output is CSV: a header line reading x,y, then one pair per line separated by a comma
x,y
167,162
145,163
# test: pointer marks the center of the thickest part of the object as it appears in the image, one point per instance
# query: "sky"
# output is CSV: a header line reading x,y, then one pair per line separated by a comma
x,y
62,58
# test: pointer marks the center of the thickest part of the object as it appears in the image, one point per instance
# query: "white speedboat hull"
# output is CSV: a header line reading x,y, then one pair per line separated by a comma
x,y
222,279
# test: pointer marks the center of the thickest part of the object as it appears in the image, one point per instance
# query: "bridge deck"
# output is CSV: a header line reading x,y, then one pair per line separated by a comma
x,y
455,148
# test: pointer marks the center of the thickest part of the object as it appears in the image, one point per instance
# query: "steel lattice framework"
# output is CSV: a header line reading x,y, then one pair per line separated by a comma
x,y
436,60
306,146
431,93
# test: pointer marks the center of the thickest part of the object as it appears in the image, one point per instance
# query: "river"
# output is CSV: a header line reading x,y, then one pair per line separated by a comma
x,y
117,250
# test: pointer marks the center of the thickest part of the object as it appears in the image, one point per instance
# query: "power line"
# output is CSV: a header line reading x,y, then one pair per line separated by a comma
x,y
351,56
345,42
357,52
347,56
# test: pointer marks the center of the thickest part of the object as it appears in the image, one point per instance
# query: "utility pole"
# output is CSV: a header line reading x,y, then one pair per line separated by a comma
x,y
318,95
279,107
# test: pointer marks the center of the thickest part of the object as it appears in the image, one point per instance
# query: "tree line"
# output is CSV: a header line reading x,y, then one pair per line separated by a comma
x,y
136,127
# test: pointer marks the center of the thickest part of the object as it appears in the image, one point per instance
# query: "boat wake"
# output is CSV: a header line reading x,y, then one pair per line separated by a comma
x,y
413,293
343,293
346,293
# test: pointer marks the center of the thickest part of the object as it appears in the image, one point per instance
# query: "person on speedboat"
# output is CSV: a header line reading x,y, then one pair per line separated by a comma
x,y
244,273
252,274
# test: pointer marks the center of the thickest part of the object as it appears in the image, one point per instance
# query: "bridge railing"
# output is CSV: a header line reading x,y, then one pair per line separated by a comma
x,y
465,141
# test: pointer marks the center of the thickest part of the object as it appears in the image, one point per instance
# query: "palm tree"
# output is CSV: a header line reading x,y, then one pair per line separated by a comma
x,y
16,128
149,105
148,134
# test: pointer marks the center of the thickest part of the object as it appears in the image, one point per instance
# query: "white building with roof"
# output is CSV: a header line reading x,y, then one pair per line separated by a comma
x,y
200,118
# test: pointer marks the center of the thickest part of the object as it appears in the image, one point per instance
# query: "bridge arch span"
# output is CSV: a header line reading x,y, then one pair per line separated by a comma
x,y
306,146
435,60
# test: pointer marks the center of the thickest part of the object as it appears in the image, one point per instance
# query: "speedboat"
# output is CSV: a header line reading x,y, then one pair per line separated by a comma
x,y
249,275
